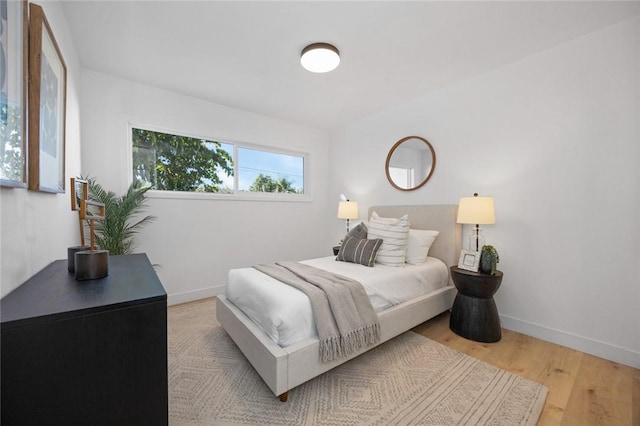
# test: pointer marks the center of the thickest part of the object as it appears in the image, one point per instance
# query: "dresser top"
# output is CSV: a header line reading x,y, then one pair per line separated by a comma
x,y
54,293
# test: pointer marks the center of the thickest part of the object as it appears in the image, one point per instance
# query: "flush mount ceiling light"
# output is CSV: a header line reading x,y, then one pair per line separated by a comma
x,y
320,57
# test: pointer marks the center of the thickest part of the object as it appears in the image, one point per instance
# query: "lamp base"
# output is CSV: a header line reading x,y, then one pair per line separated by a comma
x,y
91,265
476,240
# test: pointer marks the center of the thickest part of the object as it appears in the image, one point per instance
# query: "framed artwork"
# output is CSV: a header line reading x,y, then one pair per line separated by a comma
x,y
13,92
469,260
47,106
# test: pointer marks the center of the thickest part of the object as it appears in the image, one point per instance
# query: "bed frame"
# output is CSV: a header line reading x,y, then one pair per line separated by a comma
x,y
283,369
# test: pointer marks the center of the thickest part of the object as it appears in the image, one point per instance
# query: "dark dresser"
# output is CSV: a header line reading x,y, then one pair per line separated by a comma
x,y
85,352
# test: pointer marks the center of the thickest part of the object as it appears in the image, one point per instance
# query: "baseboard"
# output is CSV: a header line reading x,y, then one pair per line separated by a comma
x,y
584,344
193,295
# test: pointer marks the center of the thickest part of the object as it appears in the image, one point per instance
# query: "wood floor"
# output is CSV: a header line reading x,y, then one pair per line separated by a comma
x,y
583,389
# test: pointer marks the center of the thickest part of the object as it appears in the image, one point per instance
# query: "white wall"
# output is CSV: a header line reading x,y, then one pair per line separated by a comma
x,y
36,228
196,242
555,138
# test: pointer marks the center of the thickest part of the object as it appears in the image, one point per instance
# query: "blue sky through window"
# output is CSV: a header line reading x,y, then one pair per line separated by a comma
x,y
252,162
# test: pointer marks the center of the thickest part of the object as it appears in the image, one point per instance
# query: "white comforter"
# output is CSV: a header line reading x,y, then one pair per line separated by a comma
x,y
284,313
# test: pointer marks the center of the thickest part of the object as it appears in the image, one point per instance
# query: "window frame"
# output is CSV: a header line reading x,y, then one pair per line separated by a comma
x,y
236,195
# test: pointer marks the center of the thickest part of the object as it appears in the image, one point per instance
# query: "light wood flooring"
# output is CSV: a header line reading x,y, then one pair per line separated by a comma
x,y
583,389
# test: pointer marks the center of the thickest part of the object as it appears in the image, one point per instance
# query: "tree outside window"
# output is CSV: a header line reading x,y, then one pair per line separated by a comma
x,y
179,163
169,162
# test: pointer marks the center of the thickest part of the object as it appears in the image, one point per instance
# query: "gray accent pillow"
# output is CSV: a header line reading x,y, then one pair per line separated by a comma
x,y
359,232
358,250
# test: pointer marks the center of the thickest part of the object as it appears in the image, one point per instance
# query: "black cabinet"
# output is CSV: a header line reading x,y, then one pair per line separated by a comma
x,y
86,352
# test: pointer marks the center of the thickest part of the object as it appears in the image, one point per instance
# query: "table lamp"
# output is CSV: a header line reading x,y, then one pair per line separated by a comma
x,y
347,210
479,211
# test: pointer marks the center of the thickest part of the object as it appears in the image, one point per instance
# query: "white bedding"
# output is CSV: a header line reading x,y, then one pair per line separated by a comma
x,y
284,313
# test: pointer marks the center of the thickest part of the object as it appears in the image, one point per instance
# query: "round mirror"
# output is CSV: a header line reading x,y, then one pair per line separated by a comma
x,y
410,163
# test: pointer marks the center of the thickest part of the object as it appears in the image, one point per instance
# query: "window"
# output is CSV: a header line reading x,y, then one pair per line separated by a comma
x,y
180,163
260,171
169,162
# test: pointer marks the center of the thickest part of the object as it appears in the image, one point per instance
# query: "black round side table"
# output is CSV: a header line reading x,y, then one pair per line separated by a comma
x,y
474,314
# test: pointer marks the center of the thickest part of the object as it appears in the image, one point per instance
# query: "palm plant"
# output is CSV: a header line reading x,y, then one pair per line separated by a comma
x,y
117,231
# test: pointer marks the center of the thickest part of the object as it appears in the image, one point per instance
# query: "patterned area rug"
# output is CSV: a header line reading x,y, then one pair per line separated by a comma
x,y
408,380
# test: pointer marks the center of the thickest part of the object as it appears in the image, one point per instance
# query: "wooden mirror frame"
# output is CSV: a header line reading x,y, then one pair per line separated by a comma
x,y
393,148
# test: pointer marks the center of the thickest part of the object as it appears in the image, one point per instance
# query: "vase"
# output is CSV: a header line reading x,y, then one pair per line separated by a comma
x,y
91,264
71,256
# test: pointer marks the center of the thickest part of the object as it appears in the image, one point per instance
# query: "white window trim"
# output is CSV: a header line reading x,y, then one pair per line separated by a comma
x,y
236,196
243,196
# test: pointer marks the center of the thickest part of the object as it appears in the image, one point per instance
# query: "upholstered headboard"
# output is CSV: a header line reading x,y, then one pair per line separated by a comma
x,y
440,218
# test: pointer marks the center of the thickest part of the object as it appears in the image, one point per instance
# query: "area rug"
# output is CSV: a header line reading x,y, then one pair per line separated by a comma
x,y
405,381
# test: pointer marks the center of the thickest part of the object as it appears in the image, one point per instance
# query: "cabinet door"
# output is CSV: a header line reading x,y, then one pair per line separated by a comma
x,y
103,368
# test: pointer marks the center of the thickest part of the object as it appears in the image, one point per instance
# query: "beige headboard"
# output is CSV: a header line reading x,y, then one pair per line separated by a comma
x,y
436,217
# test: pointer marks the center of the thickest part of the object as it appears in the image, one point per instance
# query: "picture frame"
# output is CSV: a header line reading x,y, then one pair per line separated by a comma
x,y
14,49
469,260
47,106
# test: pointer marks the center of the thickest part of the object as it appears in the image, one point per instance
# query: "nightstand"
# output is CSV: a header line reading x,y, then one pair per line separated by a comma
x,y
474,314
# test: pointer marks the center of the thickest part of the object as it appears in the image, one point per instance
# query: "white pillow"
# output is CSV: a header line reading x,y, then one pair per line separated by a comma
x,y
418,246
394,233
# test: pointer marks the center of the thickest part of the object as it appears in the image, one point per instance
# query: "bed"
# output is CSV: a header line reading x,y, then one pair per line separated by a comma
x,y
283,368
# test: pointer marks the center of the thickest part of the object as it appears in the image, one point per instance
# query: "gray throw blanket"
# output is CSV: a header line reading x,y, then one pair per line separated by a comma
x,y
345,319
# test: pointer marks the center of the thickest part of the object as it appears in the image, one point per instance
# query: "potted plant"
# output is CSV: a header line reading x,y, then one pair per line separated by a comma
x,y
489,259
117,231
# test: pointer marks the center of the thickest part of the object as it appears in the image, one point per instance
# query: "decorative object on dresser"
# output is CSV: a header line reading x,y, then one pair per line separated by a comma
x,y
474,314
410,163
85,261
347,210
78,353
477,211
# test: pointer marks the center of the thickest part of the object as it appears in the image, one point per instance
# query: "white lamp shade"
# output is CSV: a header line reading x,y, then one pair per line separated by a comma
x,y
348,210
476,210
320,58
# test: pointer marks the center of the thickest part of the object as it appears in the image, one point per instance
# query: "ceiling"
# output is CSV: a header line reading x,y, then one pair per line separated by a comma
x,y
246,54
